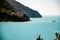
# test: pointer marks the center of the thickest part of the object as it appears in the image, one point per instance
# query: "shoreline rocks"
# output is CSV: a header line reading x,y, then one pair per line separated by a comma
x,y
13,17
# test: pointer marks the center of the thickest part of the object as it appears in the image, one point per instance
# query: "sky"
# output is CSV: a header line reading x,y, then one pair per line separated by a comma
x,y
44,7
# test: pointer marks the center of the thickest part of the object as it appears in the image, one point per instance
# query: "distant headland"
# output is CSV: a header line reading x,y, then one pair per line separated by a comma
x,y
11,10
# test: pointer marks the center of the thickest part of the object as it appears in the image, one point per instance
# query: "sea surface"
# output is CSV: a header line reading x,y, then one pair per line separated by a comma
x,y
46,27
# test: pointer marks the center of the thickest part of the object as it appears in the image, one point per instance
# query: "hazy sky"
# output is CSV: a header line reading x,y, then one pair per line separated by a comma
x,y
45,7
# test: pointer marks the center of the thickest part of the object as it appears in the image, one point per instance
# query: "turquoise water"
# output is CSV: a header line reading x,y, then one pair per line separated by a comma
x,y
30,30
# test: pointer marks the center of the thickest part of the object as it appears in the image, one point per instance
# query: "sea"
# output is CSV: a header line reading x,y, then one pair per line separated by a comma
x,y
46,27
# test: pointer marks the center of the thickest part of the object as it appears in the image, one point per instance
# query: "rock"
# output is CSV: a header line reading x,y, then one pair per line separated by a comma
x,y
11,10
4,17
16,6
7,13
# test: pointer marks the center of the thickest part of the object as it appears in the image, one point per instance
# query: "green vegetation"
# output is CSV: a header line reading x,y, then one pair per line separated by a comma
x,y
3,9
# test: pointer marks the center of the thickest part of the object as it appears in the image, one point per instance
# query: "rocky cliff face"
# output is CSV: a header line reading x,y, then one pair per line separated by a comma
x,y
8,13
14,5
11,10
5,17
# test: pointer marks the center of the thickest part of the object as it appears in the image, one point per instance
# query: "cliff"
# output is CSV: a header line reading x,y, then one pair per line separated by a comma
x,y
11,10
8,13
14,5
5,17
